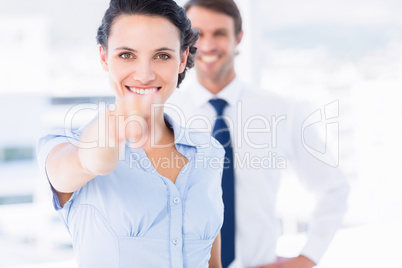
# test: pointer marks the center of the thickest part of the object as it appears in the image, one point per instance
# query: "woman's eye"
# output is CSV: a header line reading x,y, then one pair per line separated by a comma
x,y
163,56
126,56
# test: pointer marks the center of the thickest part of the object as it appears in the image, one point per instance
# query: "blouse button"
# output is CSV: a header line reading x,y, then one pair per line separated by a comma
x,y
175,241
176,200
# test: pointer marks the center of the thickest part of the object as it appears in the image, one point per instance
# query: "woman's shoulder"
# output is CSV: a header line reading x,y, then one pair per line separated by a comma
x,y
49,138
202,141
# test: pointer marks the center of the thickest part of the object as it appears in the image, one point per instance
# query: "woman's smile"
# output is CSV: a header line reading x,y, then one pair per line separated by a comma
x,y
142,90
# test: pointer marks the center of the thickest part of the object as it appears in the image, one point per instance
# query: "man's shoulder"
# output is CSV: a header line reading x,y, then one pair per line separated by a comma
x,y
265,100
263,95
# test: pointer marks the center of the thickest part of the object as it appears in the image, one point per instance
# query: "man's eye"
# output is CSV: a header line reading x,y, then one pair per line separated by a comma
x,y
126,56
220,34
163,56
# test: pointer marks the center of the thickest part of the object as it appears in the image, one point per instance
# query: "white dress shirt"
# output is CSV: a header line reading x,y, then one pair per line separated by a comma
x,y
266,133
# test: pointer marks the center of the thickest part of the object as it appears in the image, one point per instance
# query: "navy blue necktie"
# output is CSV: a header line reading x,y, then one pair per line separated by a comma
x,y
222,134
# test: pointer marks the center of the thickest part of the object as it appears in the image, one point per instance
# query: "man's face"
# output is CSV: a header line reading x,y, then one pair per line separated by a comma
x,y
217,44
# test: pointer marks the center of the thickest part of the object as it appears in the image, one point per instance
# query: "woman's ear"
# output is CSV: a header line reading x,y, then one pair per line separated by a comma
x,y
103,56
183,60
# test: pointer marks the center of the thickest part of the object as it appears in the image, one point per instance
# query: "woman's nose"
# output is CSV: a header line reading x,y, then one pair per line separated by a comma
x,y
144,73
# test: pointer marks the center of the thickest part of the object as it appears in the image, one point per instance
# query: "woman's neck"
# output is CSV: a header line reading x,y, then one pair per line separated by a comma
x,y
160,134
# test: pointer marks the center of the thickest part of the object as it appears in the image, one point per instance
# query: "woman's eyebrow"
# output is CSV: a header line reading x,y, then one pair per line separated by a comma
x,y
125,48
156,50
165,48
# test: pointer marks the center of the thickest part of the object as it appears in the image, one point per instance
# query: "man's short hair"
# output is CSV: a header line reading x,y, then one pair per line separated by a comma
x,y
227,7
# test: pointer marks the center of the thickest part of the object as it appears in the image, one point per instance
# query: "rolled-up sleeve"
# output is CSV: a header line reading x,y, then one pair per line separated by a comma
x,y
44,146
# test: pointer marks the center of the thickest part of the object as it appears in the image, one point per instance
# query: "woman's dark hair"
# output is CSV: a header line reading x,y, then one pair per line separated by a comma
x,y
162,8
227,7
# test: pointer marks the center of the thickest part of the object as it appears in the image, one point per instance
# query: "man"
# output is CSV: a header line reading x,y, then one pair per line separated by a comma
x,y
263,127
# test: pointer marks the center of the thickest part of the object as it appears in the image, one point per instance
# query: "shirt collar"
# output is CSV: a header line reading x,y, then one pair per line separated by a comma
x,y
183,135
231,93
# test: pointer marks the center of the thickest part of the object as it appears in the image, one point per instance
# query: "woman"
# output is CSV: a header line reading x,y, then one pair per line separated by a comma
x,y
157,206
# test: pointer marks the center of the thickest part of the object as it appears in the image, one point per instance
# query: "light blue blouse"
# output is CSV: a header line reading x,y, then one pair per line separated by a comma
x,y
134,217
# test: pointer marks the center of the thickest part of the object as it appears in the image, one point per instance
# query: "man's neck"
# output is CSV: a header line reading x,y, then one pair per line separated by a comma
x,y
215,85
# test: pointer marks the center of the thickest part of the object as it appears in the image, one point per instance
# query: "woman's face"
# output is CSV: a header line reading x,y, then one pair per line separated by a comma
x,y
143,56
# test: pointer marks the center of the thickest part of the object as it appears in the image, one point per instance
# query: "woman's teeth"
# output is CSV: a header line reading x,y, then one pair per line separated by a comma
x,y
142,91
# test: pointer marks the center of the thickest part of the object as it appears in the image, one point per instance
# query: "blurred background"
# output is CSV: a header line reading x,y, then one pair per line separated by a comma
x,y
321,51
